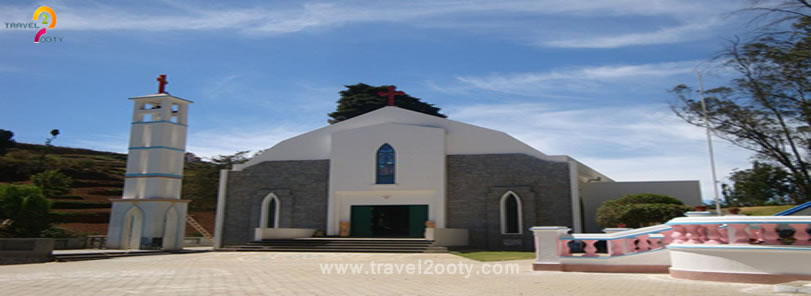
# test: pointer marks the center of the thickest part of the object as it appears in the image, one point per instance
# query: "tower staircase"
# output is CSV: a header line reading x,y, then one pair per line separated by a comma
x,y
194,224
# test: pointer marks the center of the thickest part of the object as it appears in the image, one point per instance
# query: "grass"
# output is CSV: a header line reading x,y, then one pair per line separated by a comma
x,y
495,255
764,210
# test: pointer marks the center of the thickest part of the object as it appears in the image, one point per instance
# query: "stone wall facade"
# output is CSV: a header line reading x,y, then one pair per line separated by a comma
x,y
476,184
301,187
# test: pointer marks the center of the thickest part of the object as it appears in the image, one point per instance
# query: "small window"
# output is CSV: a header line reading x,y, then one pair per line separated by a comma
x,y
385,164
510,214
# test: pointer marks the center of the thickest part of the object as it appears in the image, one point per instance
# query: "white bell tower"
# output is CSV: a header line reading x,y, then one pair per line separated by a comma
x,y
150,214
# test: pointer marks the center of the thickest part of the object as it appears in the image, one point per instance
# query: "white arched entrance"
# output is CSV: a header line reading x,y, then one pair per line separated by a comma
x,y
270,212
170,230
131,230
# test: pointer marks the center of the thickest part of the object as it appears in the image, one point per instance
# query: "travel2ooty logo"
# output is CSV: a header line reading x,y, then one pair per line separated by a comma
x,y
44,16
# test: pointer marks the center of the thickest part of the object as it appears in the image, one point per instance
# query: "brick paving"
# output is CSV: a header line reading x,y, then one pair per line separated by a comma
x,y
266,273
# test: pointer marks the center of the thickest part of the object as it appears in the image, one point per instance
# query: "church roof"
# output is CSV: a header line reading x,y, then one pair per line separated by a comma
x,y
462,138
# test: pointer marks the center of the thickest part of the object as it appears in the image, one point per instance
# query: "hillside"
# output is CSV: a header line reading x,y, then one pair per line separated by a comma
x,y
98,177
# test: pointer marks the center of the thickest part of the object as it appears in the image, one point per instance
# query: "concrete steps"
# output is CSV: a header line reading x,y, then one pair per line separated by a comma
x,y
99,255
349,245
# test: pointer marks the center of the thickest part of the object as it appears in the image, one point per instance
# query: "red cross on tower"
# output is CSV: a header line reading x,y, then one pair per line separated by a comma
x,y
162,84
391,93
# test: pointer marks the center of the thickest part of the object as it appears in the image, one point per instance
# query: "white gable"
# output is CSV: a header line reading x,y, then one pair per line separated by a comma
x,y
461,138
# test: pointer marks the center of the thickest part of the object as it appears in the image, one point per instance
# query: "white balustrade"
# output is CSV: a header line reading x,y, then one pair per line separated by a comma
x,y
740,230
617,243
554,242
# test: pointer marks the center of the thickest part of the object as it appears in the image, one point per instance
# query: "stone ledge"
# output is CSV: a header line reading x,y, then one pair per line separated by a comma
x,y
601,268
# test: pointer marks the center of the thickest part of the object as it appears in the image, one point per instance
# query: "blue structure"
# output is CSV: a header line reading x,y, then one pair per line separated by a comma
x,y
793,210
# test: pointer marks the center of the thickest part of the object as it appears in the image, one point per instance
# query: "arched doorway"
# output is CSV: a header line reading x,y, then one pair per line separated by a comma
x,y
269,217
170,230
131,231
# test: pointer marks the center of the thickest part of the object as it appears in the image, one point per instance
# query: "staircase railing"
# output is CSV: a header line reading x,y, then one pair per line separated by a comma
x,y
198,227
619,243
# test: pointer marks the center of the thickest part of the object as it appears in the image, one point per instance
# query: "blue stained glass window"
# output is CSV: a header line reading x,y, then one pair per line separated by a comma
x,y
385,164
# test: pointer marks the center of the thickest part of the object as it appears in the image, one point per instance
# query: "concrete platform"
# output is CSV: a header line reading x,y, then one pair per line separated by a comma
x,y
272,273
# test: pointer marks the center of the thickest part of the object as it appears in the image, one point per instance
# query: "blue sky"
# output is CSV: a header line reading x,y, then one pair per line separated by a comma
x,y
584,78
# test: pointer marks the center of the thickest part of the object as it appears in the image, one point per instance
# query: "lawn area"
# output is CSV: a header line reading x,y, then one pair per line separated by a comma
x,y
495,255
764,210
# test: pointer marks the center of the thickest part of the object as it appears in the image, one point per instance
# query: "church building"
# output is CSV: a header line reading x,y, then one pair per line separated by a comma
x,y
398,173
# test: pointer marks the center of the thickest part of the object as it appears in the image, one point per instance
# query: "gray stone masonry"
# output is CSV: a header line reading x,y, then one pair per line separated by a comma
x,y
300,185
476,184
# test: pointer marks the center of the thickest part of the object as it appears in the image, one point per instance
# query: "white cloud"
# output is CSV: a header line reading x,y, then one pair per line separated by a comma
x,y
209,142
576,79
685,32
627,143
112,143
228,140
274,19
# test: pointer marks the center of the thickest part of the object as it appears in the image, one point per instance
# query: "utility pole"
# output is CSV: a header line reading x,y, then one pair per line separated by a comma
x,y
709,144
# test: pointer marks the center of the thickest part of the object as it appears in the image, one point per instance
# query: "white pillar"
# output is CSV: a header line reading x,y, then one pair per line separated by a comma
x,y
546,243
220,218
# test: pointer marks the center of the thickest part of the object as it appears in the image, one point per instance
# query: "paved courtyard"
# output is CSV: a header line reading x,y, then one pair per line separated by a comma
x,y
265,273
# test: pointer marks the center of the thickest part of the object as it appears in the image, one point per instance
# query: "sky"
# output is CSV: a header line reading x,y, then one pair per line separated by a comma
x,y
588,79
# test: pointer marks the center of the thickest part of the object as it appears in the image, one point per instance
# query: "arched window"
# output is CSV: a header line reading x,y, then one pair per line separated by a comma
x,y
385,164
510,214
270,212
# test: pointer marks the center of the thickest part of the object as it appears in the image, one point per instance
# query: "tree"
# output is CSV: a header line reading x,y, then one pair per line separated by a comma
x,y
41,166
766,107
52,182
23,211
201,186
640,210
763,183
227,162
6,141
362,98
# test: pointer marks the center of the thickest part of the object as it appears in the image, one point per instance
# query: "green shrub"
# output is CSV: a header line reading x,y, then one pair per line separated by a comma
x,y
17,165
24,210
52,182
640,210
86,164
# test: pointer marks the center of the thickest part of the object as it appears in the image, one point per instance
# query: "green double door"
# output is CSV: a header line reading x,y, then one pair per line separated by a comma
x,y
388,221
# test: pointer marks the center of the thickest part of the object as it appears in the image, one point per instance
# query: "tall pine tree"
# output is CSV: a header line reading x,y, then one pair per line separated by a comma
x,y
361,98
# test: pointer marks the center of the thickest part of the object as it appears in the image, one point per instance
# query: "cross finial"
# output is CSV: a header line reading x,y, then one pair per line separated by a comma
x,y
391,93
162,84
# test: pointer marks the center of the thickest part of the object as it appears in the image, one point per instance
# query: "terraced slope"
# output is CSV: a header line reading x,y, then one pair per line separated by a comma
x,y
98,176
